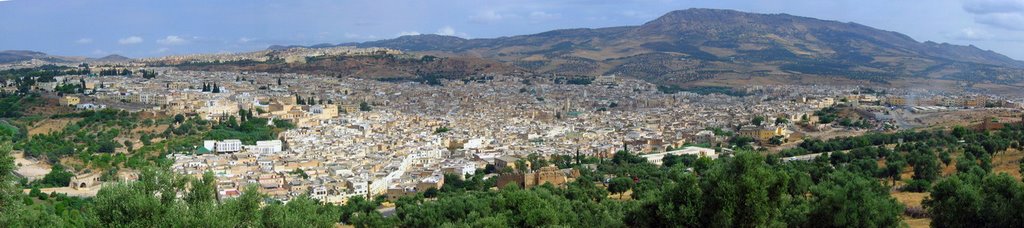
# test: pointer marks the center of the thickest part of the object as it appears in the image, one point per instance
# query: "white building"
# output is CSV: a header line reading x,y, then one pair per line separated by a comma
x,y
90,106
226,146
359,187
267,147
699,151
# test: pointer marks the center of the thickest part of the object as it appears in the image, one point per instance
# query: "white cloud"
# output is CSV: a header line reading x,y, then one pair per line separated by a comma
x,y
83,41
543,15
130,40
357,36
244,40
487,16
1010,21
993,6
162,50
172,40
446,30
408,33
971,34
538,16
1004,14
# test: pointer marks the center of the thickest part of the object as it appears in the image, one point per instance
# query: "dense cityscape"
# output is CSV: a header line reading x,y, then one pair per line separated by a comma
x,y
432,130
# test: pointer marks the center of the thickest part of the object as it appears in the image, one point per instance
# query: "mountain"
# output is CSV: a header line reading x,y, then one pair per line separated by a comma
x,y
712,46
113,58
16,56
383,67
13,56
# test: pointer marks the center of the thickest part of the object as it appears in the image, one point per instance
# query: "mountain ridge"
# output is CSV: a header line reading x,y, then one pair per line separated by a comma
x,y
695,45
11,56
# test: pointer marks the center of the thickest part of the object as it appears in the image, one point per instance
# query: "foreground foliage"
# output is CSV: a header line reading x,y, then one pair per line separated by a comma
x,y
843,189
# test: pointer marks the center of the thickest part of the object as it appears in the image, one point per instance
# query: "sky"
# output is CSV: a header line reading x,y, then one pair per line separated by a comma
x,y
146,28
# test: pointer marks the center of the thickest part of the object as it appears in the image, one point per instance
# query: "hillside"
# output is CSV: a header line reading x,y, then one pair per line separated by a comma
x,y
427,69
13,56
113,58
709,46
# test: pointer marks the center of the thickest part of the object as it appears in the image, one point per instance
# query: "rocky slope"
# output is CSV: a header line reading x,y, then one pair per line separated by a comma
x,y
728,47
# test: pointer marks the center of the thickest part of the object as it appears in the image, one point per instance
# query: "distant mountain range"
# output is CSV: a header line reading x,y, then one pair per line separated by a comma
x,y
12,56
711,46
686,48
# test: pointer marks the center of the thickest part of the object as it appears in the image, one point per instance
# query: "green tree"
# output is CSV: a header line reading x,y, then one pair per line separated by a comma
x,y
244,211
57,177
849,200
742,192
757,120
128,205
620,185
129,145
894,169
357,206
179,118
960,132
300,173
203,190
741,140
781,120
954,203
945,157
680,205
301,211
10,195
1001,200
1021,166
365,107
926,166
430,193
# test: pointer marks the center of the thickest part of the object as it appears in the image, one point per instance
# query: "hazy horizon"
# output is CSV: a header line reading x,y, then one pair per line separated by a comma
x,y
146,29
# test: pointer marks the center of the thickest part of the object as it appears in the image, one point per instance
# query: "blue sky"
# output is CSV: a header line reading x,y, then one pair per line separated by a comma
x,y
142,28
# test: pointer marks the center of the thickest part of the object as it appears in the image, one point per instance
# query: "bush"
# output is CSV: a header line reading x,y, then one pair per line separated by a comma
x,y
917,186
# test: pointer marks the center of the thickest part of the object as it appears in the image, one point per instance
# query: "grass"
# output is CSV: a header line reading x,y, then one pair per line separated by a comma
x,y
1003,162
1008,162
917,222
51,125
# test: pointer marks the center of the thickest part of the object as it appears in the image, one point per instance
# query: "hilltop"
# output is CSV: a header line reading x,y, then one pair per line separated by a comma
x,y
711,46
13,56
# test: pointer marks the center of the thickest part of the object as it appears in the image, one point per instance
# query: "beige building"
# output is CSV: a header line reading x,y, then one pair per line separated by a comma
x,y
762,134
85,181
545,175
70,101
